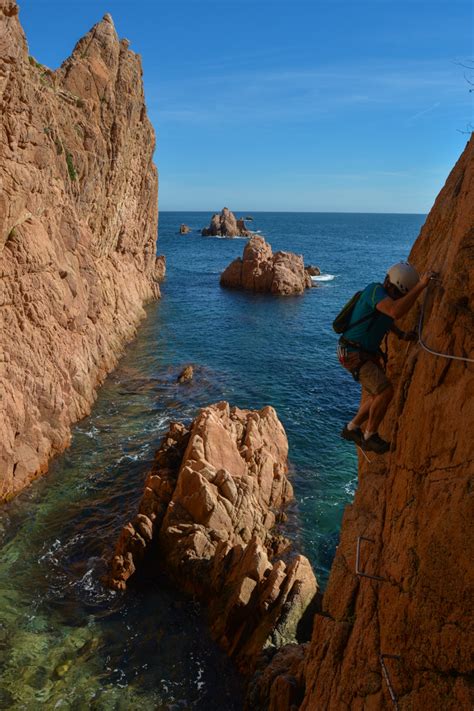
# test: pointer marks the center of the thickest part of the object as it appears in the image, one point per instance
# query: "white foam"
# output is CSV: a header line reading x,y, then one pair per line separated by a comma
x,y
323,277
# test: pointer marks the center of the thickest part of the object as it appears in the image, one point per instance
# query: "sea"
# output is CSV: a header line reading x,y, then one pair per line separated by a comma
x,y
66,642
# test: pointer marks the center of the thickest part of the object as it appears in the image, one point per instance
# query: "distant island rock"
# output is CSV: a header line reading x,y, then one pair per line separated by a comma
x,y
262,271
184,230
225,224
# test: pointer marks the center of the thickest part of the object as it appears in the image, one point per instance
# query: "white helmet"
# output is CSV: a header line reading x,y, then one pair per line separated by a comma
x,y
403,276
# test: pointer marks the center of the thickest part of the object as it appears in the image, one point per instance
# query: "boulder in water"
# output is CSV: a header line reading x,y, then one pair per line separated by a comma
x,y
262,271
225,224
186,374
207,518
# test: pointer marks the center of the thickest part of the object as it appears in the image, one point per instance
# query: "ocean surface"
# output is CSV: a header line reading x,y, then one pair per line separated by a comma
x,y
65,641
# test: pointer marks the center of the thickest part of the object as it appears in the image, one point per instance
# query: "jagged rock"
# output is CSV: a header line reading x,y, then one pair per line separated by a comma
x,y
184,230
415,504
262,271
206,518
78,226
226,224
186,374
312,270
279,682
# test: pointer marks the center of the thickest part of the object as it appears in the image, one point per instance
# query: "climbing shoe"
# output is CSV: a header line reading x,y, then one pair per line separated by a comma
x,y
375,444
353,435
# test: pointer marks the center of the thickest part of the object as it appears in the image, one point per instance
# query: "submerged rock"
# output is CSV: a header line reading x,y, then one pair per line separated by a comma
x,y
186,374
78,225
226,224
207,517
262,271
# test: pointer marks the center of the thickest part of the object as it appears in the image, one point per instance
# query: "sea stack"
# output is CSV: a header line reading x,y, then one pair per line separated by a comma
x,y
260,270
78,229
225,224
207,519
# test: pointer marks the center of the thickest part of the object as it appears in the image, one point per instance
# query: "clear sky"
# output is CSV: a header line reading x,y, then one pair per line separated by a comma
x,y
314,105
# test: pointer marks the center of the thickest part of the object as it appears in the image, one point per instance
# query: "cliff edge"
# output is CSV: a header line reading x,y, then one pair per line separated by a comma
x,y
406,640
78,227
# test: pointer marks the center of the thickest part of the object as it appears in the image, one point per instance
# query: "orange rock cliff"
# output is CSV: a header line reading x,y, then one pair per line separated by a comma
x,y
78,227
406,641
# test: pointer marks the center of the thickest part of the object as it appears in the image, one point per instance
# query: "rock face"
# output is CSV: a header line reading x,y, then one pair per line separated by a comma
x,y
78,227
416,506
226,224
206,518
261,270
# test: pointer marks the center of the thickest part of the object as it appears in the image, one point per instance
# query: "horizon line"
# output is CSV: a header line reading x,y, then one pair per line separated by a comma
x,y
306,212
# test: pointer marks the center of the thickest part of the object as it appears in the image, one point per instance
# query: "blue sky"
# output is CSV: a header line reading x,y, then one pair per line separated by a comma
x,y
314,105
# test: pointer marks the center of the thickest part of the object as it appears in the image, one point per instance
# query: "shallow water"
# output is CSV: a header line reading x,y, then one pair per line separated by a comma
x,y
65,641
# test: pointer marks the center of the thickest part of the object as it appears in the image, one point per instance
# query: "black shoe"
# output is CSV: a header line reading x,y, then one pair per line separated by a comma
x,y
353,435
375,444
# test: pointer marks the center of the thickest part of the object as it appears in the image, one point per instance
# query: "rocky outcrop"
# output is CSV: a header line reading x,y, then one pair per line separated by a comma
x,y
225,224
207,519
78,227
406,640
262,271
186,374
184,230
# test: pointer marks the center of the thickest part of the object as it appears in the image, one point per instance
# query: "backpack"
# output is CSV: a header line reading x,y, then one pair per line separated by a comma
x,y
342,322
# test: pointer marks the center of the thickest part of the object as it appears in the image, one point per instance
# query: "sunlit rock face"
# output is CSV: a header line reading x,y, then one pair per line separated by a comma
x,y
78,227
408,636
207,519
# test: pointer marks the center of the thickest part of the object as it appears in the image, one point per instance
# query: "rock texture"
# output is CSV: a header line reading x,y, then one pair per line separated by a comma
x,y
206,518
261,270
78,227
226,224
416,505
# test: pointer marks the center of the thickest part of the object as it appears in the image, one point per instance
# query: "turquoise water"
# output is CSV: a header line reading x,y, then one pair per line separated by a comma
x,y
66,642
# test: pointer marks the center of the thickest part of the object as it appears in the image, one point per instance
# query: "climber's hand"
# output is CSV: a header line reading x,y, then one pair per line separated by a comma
x,y
427,277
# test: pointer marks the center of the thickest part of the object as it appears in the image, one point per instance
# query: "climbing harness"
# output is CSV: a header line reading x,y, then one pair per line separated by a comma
x,y
427,348
353,360
382,658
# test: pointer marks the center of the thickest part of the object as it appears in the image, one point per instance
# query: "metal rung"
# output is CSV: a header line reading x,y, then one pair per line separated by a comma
x,y
387,678
357,569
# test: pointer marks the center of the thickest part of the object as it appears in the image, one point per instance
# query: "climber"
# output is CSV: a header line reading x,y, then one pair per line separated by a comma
x,y
372,316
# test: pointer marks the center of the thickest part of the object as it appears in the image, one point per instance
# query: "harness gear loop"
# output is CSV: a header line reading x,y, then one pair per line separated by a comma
x,y
353,360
